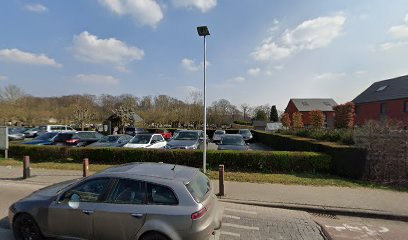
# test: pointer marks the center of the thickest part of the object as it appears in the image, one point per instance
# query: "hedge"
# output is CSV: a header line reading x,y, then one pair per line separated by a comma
x,y
259,161
346,161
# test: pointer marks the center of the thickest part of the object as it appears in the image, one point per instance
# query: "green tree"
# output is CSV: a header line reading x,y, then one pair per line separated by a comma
x,y
274,114
260,115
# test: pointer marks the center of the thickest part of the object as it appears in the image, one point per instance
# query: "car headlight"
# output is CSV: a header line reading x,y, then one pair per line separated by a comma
x,y
191,147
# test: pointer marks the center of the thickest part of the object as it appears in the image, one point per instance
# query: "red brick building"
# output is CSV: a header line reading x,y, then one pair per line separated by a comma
x,y
306,105
386,99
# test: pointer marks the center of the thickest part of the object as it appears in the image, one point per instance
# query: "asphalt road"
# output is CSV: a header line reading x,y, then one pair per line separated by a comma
x,y
239,221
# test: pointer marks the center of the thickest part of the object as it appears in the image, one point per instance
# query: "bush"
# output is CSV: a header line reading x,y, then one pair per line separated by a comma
x,y
233,160
346,161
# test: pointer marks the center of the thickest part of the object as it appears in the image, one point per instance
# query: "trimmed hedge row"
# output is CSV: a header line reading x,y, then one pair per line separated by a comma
x,y
260,161
346,161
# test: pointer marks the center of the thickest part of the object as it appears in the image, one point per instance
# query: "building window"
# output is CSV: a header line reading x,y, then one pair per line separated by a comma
x,y
383,109
406,106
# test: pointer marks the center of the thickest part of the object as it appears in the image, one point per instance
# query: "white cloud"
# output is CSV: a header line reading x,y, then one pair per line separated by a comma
x,y
188,89
189,64
360,72
18,56
2,78
145,12
315,33
202,5
254,71
238,79
391,45
329,76
310,34
271,51
96,79
38,8
90,48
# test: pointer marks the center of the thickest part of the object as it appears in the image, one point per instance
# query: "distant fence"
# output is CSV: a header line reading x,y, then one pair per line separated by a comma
x,y
387,154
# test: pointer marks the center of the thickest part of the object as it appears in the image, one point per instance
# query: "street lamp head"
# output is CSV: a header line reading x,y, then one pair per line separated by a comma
x,y
203,31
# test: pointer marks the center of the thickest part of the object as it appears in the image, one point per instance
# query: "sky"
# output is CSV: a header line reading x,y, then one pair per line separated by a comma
x,y
259,51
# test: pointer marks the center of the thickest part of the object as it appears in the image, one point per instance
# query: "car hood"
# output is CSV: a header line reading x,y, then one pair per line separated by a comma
x,y
232,147
50,191
135,145
181,143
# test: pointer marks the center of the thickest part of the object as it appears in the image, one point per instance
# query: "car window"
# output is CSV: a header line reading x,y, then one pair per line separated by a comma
x,y
199,187
128,192
158,138
141,139
161,195
186,136
89,191
232,141
63,137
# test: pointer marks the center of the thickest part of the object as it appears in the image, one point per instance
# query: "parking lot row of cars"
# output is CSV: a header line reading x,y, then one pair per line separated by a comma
x,y
139,138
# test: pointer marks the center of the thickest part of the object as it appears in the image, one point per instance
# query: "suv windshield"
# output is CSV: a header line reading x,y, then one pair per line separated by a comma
x,y
199,187
187,136
244,132
110,139
141,139
46,136
233,141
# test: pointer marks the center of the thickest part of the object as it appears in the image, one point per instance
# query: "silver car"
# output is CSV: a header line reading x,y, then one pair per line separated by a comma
x,y
135,201
217,135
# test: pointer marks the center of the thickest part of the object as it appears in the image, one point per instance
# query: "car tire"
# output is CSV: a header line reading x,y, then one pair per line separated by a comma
x,y
25,227
154,236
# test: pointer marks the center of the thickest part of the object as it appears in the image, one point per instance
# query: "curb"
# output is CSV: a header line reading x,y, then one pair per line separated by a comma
x,y
356,212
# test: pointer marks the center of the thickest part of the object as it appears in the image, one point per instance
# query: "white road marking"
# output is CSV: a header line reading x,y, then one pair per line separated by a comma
x,y
230,234
240,211
230,216
240,226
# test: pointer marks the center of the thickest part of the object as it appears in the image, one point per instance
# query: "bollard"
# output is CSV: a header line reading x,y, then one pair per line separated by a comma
x,y
221,180
26,167
85,167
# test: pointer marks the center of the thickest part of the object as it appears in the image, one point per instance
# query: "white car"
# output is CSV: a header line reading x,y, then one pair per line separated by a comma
x,y
146,140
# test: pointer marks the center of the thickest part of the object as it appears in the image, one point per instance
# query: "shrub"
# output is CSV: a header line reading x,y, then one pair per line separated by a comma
x,y
346,161
316,118
264,161
344,115
285,120
297,120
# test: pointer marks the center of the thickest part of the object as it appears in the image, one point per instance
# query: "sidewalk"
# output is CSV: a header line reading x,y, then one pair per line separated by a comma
x,y
363,202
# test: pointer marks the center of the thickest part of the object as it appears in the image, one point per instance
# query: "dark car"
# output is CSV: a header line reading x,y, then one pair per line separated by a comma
x,y
143,201
44,139
246,134
187,139
112,141
77,139
134,130
232,142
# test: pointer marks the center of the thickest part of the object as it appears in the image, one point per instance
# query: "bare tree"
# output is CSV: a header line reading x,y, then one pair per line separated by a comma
x,y
245,108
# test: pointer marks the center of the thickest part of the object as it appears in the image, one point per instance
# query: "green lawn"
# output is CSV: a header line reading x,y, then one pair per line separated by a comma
x,y
290,179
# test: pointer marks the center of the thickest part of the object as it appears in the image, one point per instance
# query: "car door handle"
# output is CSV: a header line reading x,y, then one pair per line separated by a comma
x,y
136,215
87,212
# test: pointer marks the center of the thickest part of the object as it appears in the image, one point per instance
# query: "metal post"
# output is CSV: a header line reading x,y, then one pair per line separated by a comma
x,y
85,167
205,111
221,180
26,167
5,154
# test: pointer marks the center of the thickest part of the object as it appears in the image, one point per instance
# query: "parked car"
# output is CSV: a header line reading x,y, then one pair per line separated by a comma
x,y
31,132
77,139
142,201
232,142
133,131
165,133
187,139
146,140
15,134
55,128
217,135
246,134
112,141
177,131
44,139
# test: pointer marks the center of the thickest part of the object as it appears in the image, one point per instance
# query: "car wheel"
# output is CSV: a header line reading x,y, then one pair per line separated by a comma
x,y
25,228
154,236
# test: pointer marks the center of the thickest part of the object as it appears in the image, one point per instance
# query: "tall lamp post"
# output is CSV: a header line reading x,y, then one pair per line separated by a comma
x,y
203,32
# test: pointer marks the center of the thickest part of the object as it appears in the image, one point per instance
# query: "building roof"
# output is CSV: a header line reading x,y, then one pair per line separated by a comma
x,y
258,123
395,88
309,104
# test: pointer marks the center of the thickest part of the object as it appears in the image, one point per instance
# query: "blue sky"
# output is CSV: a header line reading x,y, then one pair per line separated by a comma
x,y
259,51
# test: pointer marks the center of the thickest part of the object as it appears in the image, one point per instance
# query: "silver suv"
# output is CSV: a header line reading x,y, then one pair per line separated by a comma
x,y
134,201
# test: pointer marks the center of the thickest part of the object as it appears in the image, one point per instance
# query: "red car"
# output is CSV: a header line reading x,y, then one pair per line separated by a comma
x,y
165,133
